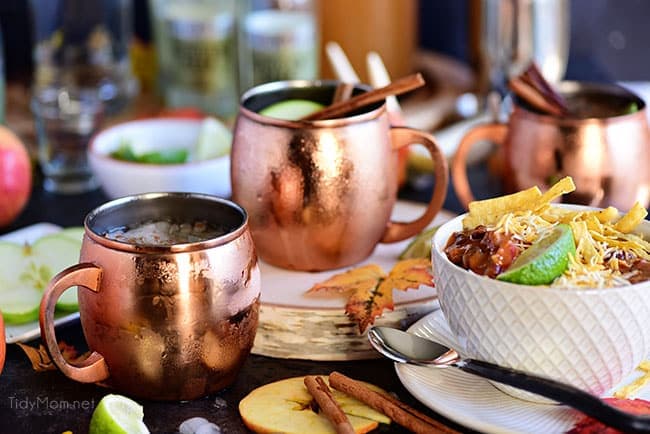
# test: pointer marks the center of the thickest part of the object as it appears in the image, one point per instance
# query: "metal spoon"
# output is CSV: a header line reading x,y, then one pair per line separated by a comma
x,y
405,347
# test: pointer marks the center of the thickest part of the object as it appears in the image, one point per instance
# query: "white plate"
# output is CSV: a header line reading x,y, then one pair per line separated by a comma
x,y
297,325
31,330
473,401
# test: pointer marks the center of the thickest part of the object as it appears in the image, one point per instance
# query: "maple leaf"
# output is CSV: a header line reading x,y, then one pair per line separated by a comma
x,y
372,290
410,274
360,278
40,358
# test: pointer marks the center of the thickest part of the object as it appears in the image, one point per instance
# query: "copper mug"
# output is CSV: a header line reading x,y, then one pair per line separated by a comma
x,y
605,148
162,322
320,193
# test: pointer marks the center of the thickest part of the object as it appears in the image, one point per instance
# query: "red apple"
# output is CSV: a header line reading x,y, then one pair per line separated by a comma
x,y
15,176
3,347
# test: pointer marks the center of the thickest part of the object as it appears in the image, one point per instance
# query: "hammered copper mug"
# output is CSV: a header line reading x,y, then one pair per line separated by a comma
x,y
320,193
169,322
604,147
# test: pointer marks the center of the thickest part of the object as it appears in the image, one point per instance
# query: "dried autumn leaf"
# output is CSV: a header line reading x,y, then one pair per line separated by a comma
x,y
41,359
371,290
360,278
410,274
366,304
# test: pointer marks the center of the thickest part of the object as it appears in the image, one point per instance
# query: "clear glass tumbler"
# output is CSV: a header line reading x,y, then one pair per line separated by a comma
x,y
508,34
84,44
65,121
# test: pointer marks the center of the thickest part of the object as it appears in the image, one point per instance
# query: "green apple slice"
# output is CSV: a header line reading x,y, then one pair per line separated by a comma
x,y
13,258
51,254
74,232
291,109
20,304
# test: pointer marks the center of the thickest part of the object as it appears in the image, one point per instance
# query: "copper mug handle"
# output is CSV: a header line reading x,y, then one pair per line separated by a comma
x,y
493,132
86,276
400,138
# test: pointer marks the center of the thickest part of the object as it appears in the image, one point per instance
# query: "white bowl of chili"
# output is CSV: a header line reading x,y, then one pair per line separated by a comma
x,y
590,338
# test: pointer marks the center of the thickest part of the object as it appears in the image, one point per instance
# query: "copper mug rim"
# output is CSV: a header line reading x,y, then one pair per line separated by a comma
x,y
572,87
230,235
366,113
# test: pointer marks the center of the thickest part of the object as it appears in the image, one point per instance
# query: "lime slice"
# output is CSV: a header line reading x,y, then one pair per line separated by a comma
x,y
420,246
214,140
291,109
544,260
116,414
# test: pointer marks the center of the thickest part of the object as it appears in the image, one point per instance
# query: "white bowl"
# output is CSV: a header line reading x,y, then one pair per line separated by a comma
x,y
590,338
121,178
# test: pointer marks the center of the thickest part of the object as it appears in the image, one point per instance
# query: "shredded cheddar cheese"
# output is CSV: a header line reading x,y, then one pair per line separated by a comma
x,y
635,386
605,244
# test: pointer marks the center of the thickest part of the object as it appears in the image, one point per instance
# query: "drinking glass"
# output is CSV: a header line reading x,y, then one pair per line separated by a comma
x,y
197,55
65,121
84,44
278,40
509,34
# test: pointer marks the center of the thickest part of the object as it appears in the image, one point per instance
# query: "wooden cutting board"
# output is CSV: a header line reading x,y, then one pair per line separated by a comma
x,y
299,326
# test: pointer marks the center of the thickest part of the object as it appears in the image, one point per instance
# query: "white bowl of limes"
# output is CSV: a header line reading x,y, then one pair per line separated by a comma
x,y
163,154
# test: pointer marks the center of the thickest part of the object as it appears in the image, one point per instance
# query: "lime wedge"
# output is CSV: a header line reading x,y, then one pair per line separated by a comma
x,y
116,414
420,246
291,109
214,140
544,260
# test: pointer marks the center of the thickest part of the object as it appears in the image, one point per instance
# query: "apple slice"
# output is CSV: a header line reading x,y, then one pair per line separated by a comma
x,y
51,254
25,271
286,406
13,257
20,304
73,232
291,109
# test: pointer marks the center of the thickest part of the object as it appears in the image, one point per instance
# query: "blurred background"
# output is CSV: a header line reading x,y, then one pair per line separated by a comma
x,y
201,55
608,38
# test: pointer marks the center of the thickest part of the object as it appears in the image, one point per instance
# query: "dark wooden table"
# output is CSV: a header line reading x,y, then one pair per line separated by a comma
x,y
34,402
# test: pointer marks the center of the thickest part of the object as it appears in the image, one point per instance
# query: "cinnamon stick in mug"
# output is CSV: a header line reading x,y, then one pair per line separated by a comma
x,y
398,87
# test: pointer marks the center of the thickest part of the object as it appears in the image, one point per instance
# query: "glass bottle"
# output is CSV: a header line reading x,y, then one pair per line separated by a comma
x,y
197,57
278,40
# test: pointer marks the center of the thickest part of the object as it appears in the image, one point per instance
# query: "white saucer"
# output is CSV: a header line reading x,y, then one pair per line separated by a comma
x,y
473,401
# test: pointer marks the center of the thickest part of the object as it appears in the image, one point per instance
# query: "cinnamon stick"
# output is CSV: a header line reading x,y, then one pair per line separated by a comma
x,y
401,413
403,85
325,400
529,94
535,76
343,92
